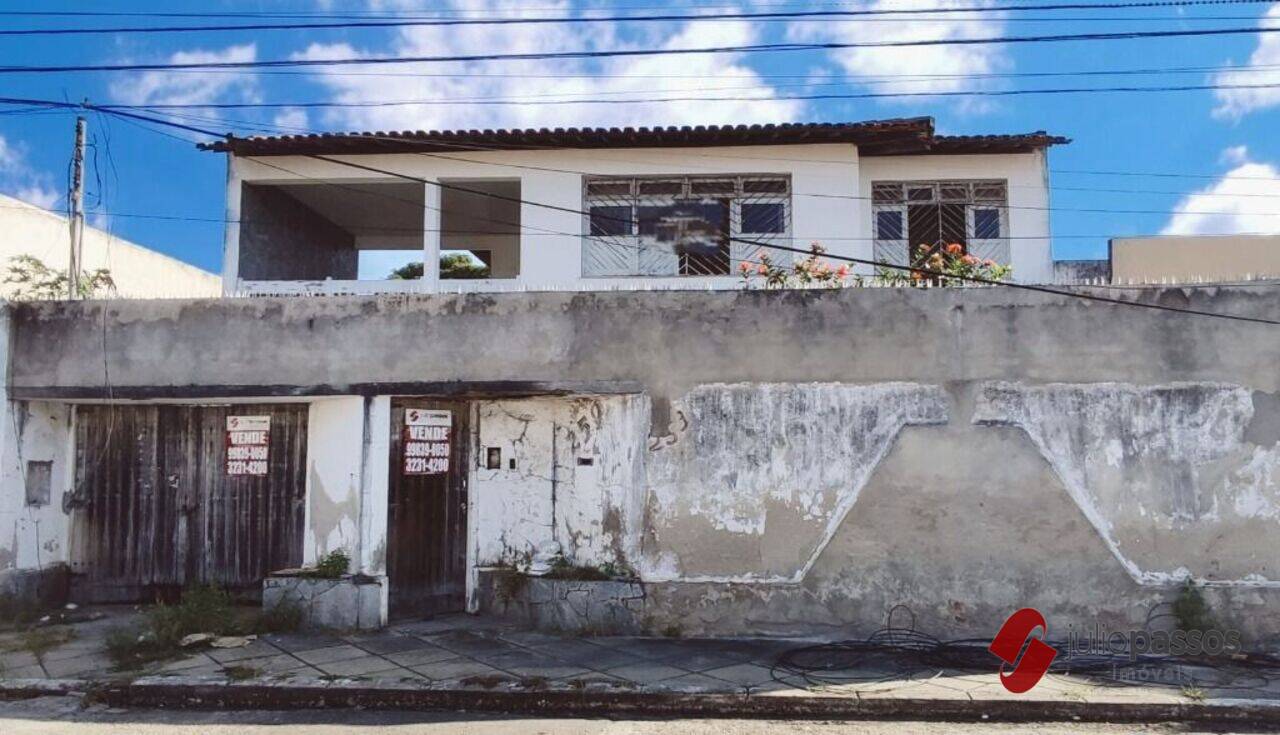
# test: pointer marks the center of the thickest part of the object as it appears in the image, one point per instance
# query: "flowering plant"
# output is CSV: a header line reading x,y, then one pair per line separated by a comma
x,y
813,270
951,265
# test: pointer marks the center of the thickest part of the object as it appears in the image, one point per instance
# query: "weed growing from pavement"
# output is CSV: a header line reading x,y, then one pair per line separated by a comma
x,y
201,610
38,641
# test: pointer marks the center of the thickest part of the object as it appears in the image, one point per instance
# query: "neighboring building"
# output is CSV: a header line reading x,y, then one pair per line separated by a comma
x,y
137,271
1082,271
601,208
1194,258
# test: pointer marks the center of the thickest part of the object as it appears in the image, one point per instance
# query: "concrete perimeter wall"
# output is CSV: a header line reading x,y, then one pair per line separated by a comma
x,y
792,462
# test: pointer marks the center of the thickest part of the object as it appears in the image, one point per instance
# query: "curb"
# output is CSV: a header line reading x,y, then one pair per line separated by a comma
x,y
206,694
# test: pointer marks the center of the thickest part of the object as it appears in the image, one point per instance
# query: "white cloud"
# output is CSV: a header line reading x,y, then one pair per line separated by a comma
x,y
872,65
1235,155
38,195
20,179
290,120
537,80
1245,199
1236,103
195,87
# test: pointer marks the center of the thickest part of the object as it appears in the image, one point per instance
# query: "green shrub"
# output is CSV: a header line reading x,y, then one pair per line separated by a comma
x,y
332,566
201,610
16,612
285,617
1191,611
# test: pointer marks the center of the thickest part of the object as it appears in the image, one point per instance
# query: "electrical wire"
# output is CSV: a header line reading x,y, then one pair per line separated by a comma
x,y
825,15
1083,210
329,105
642,52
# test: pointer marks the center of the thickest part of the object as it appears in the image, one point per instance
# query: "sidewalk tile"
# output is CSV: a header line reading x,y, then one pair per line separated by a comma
x,y
295,642
469,644
279,664
421,656
358,666
75,668
741,674
343,652
702,660
657,649
393,644
533,638
191,662
455,669
256,649
603,660
646,673
694,683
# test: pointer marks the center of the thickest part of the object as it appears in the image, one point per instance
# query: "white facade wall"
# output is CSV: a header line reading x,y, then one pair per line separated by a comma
x,y
137,271
830,203
1027,175
34,536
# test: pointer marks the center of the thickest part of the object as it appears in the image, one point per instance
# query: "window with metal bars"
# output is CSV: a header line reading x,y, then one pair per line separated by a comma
x,y
683,225
909,214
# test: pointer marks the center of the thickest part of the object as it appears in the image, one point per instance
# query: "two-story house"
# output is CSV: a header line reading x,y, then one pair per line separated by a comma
x,y
606,208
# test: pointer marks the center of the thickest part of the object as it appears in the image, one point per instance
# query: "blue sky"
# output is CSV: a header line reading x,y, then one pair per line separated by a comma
x,y
1226,137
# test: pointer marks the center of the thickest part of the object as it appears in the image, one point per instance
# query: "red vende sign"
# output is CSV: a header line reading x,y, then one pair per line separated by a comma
x,y
248,445
427,438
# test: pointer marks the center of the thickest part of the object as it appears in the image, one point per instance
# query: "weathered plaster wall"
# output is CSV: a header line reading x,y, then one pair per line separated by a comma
x,y
282,239
800,461
1180,479
34,536
753,480
335,450
665,343
577,485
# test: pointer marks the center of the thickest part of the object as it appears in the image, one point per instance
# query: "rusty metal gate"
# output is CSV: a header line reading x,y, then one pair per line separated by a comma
x,y
427,515
154,510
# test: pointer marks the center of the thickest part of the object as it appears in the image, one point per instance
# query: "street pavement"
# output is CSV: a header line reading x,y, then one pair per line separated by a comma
x,y
67,715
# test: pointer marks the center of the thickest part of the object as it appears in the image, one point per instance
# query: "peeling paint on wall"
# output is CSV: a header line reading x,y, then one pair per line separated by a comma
x,y
1164,473
33,537
761,475
570,479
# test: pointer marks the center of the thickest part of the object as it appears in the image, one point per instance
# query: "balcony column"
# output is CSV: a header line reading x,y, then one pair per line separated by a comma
x,y
431,226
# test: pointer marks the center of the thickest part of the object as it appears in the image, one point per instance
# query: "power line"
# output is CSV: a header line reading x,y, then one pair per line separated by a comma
x,y
1084,210
641,52
792,17
763,75
399,22
371,104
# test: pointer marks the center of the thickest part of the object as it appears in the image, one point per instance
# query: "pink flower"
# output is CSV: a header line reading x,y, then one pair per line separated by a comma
x,y
762,269
989,263
955,248
842,271
969,260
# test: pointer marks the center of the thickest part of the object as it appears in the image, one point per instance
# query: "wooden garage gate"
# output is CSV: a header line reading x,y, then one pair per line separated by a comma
x,y
154,509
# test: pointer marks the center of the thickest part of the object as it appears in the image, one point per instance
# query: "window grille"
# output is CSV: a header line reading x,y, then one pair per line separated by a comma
x,y
909,214
683,225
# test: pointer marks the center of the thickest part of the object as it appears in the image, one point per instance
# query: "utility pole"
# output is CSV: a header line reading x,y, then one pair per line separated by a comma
x,y
77,212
